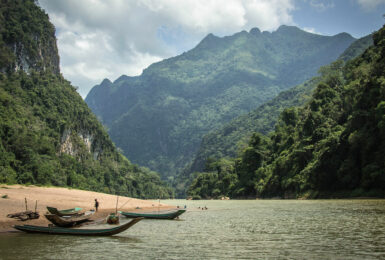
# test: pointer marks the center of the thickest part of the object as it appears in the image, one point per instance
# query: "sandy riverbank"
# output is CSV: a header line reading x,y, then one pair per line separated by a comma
x,y
62,198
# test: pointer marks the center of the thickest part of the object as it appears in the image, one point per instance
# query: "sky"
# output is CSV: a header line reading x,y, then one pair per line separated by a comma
x,y
100,39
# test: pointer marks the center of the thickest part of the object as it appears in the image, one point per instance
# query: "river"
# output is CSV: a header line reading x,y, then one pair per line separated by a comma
x,y
260,229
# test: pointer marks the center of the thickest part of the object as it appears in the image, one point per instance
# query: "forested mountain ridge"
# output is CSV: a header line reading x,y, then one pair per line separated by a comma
x,y
48,134
357,47
159,117
333,146
229,139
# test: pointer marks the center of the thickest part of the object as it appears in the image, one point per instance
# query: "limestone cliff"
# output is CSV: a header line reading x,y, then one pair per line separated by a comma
x,y
48,135
26,44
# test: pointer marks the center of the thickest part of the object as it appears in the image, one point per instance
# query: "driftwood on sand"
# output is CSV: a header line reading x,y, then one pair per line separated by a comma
x,y
24,215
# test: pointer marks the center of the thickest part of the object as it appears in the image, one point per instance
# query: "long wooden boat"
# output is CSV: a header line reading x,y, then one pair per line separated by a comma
x,y
169,214
64,212
69,221
77,231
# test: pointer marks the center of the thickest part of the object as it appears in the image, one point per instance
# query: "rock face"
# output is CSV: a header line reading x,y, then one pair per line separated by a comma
x,y
48,135
26,45
70,139
66,145
33,48
46,58
159,118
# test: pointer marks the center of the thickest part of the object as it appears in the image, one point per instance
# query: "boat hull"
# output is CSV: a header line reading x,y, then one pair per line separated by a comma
x,y
65,212
69,221
154,215
77,232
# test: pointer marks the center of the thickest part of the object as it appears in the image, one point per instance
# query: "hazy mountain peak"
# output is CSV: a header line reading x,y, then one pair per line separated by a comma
x,y
208,40
121,78
255,31
210,36
289,29
344,35
106,83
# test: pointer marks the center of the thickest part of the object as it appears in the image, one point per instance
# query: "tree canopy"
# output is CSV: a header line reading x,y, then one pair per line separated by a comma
x,y
333,146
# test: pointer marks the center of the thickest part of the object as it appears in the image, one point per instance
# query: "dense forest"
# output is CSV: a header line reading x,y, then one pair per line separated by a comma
x,y
333,146
159,118
48,134
231,138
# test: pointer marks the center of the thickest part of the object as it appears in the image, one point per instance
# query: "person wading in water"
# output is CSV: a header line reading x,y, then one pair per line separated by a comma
x,y
96,204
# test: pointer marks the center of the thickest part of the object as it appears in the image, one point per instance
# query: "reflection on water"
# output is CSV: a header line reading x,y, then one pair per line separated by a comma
x,y
322,229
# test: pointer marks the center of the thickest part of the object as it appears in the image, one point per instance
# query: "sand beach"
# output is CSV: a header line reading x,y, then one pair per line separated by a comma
x,y
12,200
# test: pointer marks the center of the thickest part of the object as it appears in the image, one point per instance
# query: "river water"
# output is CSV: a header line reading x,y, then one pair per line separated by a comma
x,y
260,229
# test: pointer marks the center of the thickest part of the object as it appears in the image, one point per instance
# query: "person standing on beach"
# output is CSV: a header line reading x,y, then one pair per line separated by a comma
x,y
96,204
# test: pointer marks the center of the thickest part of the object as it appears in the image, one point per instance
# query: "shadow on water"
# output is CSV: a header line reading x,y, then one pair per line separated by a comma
x,y
19,245
62,238
126,239
178,219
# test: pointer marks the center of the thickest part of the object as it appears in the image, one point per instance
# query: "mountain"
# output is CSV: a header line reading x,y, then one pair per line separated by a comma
x,y
159,117
233,136
27,38
333,146
357,47
48,135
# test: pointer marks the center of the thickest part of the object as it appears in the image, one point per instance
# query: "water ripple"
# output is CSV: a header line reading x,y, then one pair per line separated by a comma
x,y
275,229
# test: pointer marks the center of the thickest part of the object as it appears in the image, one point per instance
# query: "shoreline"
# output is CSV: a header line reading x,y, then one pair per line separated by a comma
x,y
251,199
63,198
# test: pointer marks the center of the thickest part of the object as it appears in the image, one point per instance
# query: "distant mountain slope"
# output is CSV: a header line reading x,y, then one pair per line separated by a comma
x,y
159,118
227,140
48,135
357,48
333,146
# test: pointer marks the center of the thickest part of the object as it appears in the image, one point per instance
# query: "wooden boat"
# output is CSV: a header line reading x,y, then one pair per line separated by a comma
x,y
77,231
64,212
69,221
165,214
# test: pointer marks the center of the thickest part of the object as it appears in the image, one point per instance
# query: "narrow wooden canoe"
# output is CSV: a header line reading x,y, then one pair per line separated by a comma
x,y
169,214
76,231
64,212
69,221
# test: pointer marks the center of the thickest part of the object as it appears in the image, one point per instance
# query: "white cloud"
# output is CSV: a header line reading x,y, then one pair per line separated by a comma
x,y
268,15
99,39
311,30
322,5
369,5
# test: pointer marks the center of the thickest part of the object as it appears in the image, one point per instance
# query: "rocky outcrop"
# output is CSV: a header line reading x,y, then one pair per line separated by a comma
x,y
66,145
73,141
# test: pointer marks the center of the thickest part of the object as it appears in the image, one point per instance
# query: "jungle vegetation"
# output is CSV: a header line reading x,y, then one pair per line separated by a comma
x,y
234,136
158,119
333,146
48,135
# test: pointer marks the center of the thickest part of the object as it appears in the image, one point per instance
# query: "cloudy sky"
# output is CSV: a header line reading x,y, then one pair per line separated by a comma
x,y
100,39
